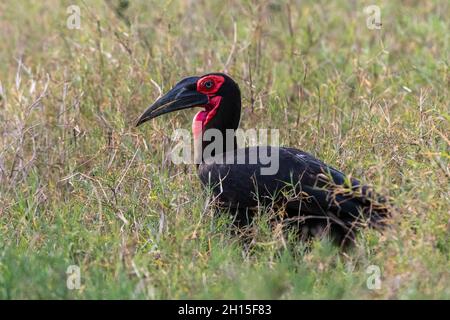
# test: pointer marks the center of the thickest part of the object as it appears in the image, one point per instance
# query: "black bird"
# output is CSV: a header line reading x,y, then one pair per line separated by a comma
x,y
304,191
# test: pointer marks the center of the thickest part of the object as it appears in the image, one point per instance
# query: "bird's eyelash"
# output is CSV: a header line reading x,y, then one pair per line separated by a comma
x,y
207,81
216,82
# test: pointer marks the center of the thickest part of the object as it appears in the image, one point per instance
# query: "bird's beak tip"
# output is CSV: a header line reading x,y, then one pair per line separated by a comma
x,y
137,123
140,121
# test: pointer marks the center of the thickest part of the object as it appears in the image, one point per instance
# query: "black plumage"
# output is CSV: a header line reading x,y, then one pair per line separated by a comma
x,y
304,191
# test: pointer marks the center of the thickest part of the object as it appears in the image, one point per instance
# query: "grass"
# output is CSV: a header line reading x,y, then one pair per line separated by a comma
x,y
79,185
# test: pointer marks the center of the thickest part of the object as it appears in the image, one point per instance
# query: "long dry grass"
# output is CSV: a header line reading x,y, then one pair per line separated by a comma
x,y
79,185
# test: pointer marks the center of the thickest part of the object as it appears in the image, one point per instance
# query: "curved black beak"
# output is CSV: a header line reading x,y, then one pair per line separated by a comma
x,y
184,95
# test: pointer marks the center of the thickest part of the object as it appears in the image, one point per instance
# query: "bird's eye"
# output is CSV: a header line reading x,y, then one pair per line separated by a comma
x,y
208,84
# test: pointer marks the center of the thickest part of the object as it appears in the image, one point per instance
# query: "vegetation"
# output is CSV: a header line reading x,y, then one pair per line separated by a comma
x,y
79,185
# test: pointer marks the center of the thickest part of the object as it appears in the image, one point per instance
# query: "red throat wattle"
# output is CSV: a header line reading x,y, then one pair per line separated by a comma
x,y
204,116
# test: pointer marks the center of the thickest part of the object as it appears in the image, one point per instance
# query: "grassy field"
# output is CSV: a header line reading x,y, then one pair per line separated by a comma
x,y
79,185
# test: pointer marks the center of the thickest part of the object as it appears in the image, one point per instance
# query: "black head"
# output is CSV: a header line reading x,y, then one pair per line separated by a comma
x,y
217,93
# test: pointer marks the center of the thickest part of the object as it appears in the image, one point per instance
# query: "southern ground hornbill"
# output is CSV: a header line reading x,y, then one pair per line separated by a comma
x,y
304,191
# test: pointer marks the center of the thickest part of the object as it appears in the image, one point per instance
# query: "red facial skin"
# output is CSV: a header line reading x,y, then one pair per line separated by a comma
x,y
217,82
209,85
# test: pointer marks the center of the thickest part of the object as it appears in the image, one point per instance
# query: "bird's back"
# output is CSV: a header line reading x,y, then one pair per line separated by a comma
x,y
302,185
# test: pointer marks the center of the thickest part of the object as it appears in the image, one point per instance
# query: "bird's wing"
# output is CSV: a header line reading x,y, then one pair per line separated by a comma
x,y
300,178
236,181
